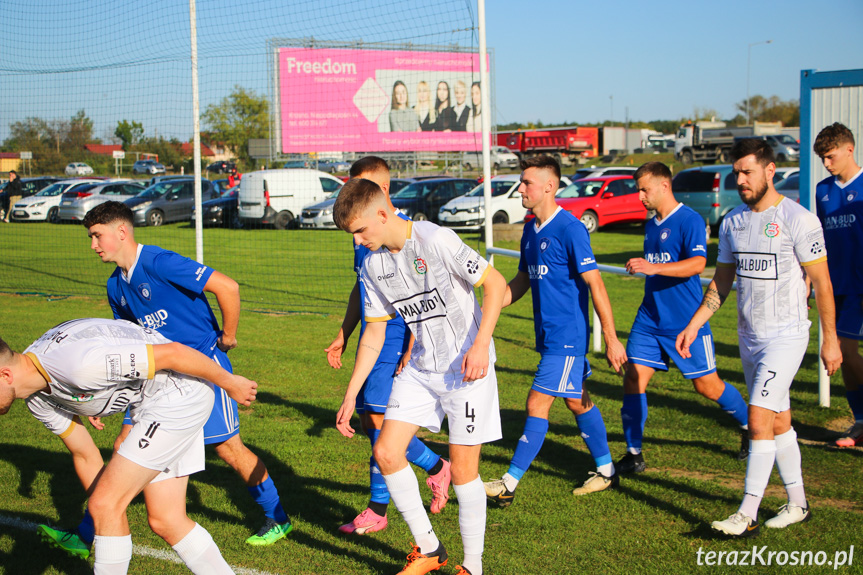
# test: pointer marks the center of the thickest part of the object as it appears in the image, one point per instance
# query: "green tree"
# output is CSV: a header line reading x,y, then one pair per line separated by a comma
x,y
79,132
130,133
772,109
239,117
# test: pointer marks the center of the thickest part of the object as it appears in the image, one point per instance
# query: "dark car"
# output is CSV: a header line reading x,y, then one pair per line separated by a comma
x,y
222,211
423,200
221,167
168,201
30,186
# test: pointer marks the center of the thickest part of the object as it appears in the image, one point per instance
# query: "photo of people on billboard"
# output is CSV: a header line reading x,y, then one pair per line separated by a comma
x,y
442,102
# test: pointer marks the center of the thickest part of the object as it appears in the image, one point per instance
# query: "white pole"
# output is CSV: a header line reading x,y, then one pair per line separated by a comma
x,y
823,378
597,331
485,117
196,140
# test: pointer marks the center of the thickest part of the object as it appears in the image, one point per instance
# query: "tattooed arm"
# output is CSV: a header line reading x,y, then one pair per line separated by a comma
x,y
714,297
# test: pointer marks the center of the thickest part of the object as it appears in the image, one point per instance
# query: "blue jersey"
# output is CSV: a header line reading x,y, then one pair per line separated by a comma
x,y
555,256
840,209
165,292
670,302
398,336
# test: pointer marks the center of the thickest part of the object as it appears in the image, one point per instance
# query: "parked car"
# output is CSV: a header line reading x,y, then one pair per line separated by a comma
x,y
331,166
151,167
423,200
75,203
594,172
222,211
277,196
783,173
468,212
221,167
499,156
78,169
168,201
30,186
790,187
785,148
297,164
45,204
601,201
320,216
709,190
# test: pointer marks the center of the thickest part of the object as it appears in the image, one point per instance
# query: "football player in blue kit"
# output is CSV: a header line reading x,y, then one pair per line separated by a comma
x,y
165,291
675,253
558,266
839,203
375,393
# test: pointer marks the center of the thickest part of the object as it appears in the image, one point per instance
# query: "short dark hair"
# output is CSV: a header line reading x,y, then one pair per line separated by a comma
x,y
354,198
13,172
369,164
108,213
6,352
832,137
655,169
757,147
542,162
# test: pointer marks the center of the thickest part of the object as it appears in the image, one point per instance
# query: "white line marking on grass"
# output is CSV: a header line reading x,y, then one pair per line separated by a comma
x,y
141,550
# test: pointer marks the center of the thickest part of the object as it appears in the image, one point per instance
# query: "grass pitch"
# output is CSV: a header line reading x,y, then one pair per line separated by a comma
x,y
657,522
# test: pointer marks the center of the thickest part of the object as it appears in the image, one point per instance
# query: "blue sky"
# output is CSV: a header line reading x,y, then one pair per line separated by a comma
x,y
554,61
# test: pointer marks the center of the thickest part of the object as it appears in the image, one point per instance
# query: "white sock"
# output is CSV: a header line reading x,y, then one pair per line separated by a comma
x,y
509,481
112,554
634,450
471,522
788,461
200,553
762,454
606,470
405,493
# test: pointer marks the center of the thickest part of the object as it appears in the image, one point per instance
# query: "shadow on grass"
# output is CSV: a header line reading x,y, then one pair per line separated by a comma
x,y
23,559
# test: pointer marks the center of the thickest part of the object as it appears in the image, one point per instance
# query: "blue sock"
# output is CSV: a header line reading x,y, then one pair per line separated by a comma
x,y
855,402
528,446
593,431
267,496
379,492
86,529
732,403
420,455
633,414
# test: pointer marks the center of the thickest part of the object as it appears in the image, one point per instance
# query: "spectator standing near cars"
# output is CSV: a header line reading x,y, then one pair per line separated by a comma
x,y
12,195
234,177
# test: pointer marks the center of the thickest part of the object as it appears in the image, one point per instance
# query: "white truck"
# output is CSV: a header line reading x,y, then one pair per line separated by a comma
x,y
710,141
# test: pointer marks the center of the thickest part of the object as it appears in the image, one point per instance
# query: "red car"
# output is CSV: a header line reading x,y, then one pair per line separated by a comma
x,y
601,201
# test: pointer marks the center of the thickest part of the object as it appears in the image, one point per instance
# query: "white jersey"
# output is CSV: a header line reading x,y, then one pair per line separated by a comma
x,y
767,250
429,282
97,367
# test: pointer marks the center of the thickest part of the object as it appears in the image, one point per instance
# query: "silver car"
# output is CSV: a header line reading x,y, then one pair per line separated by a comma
x,y
76,203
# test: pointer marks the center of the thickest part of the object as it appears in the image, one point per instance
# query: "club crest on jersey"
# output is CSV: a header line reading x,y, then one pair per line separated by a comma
x,y
543,244
144,288
852,195
123,300
663,235
420,266
83,397
771,230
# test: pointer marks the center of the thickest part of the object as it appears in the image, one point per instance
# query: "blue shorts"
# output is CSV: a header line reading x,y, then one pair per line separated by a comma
x,y
654,350
375,392
224,421
561,375
849,316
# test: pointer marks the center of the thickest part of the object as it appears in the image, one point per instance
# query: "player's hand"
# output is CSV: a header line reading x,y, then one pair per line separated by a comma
x,y
225,343
615,354
831,355
244,391
335,350
96,422
684,340
404,360
639,265
343,418
475,363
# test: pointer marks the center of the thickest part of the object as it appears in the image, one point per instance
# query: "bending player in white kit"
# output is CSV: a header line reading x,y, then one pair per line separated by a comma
x,y
427,275
97,367
768,242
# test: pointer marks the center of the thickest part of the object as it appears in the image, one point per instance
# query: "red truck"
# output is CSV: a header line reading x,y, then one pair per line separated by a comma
x,y
567,145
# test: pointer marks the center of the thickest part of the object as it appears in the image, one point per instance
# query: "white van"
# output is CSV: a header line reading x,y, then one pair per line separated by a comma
x,y
277,197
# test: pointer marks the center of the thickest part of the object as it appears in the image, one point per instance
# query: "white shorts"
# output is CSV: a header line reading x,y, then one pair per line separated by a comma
x,y
168,430
423,398
769,366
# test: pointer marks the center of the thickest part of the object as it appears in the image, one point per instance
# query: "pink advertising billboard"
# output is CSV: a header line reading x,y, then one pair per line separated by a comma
x,y
378,100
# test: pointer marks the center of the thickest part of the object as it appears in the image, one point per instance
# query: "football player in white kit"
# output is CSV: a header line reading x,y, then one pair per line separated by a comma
x,y
427,275
97,367
771,244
